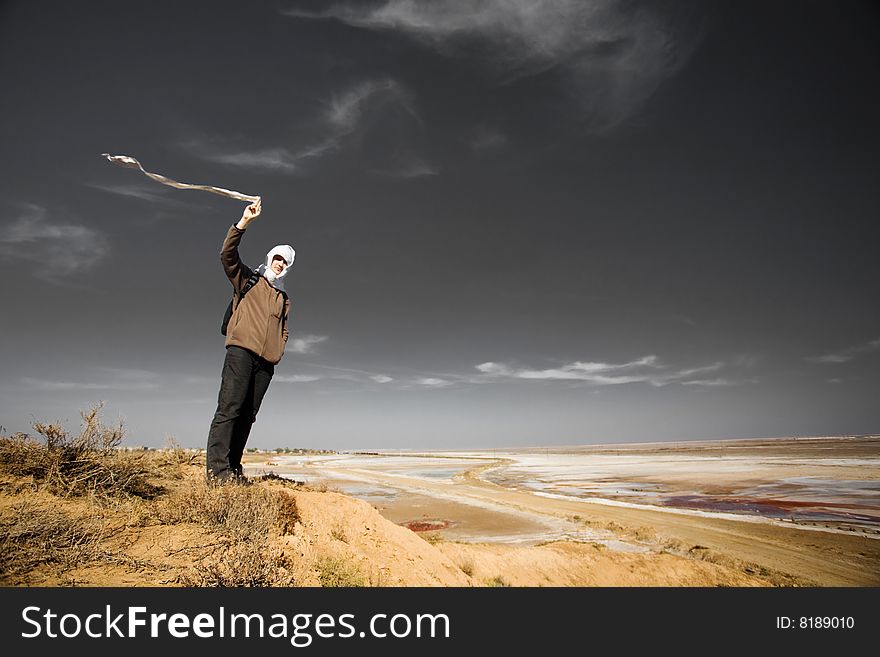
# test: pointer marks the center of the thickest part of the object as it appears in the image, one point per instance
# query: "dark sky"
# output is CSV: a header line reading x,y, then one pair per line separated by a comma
x,y
517,222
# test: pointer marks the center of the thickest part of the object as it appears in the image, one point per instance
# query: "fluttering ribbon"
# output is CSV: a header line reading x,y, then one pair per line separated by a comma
x,y
131,163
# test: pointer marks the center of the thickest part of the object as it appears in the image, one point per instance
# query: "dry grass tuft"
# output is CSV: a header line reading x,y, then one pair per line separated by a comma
x,y
338,532
320,486
336,572
87,506
246,513
86,464
174,454
243,564
244,517
32,535
498,580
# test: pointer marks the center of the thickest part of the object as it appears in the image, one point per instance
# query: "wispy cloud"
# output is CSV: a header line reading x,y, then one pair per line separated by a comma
x,y
486,139
125,373
341,123
137,191
611,55
432,382
55,249
49,385
846,355
334,374
275,159
279,159
711,383
305,344
100,378
331,373
385,107
348,109
407,165
647,369
297,378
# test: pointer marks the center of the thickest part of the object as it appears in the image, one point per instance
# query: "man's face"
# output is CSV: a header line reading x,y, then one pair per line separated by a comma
x,y
279,264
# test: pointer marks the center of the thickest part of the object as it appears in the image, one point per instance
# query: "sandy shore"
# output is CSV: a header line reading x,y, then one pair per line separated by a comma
x,y
480,520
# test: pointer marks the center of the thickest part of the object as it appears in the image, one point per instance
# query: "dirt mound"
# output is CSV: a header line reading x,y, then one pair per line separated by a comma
x,y
267,534
337,531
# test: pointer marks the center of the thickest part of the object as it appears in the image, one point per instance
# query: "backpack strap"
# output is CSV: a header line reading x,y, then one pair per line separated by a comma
x,y
255,276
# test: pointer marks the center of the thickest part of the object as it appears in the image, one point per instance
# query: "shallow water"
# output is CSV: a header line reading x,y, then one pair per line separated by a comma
x,y
833,484
690,481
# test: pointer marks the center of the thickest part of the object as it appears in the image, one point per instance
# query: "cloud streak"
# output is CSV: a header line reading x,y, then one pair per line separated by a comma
x,y
486,139
846,355
432,382
135,191
643,370
610,55
274,159
343,122
297,378
49,385
55,250
305,344
345,111
335,374
408,165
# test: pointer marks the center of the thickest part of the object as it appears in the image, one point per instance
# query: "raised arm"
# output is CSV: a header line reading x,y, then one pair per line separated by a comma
x,y
237,272
251,212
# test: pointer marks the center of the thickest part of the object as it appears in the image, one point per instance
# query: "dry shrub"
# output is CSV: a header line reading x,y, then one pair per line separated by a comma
x,y
467,567
250,563
174,454
246,513
319,486
271,476
88,463
336,572
498,580
245,516
32,535
287,512
338,532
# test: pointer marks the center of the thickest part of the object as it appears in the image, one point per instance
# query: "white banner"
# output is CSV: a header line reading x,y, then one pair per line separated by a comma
x,y
131,163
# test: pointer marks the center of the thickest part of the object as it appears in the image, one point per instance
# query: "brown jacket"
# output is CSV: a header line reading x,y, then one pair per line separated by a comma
x,y
259,321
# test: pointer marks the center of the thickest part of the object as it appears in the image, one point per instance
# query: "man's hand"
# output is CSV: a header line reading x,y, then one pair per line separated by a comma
x,y
251,212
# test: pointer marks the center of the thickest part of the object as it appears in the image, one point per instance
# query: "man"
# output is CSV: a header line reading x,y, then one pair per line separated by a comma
x,y
255,339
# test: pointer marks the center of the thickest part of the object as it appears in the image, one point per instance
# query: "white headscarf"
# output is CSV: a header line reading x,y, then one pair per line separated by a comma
x,y
277,280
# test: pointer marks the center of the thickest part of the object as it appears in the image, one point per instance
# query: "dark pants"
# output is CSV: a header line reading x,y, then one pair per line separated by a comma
x,y
246,377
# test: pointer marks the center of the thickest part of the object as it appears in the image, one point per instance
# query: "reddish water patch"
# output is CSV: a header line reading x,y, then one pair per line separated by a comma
x,y
426,525
794,509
